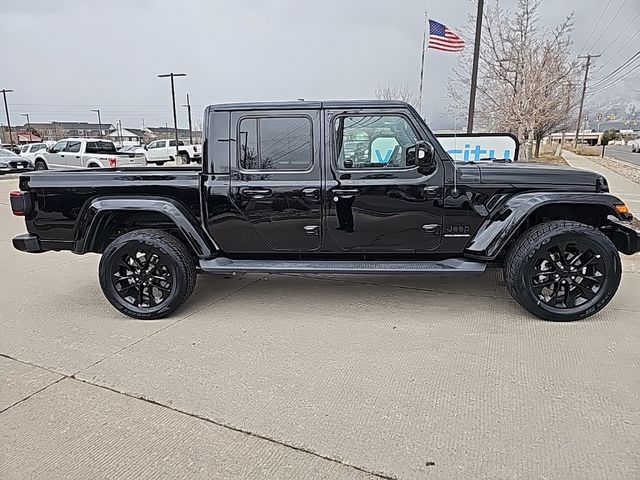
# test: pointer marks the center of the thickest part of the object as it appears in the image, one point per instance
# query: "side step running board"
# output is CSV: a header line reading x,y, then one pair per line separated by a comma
x,y
227,265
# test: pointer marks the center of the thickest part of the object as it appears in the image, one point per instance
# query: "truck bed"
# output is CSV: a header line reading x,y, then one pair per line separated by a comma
x,y
61,195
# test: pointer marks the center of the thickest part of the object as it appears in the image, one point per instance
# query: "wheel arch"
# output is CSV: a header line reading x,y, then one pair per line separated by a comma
x,y
520,212
106,218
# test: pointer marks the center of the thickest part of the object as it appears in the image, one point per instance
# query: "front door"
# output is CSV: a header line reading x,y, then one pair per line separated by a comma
x,y
276,179
376,200
71,154
55,157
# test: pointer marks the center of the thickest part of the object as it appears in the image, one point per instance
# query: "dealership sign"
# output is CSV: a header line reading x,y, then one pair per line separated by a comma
x,y
480,147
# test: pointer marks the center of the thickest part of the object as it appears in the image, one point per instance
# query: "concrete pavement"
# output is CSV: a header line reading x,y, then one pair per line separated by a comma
x,y
625,189
288,376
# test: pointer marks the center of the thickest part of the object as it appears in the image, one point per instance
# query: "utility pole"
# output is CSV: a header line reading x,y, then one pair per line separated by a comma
x,y
6,111
584,91
120,132
173,101
99,120
28,124
474,71
188,105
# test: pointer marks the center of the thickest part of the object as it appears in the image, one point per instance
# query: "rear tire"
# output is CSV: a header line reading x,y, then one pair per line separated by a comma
x,y
40,165
563,270
185,159
147,274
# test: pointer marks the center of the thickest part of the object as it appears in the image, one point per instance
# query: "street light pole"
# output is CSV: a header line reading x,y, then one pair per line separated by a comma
x,y
28,125
188,105
6,111
173,102
99,121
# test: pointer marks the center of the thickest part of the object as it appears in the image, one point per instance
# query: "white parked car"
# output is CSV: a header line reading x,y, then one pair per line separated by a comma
x,y
29,151
86,153
161,151
635,145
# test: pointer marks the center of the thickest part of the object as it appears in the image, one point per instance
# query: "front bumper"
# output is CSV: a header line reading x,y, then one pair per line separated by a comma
x,y
624,236
15,170
27,243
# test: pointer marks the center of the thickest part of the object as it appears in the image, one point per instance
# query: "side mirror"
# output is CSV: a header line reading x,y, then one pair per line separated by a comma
x,y
146,147
422,154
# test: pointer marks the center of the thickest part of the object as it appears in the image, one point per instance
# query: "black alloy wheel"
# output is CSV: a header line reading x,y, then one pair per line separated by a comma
x,y
147,274
566,275
563,270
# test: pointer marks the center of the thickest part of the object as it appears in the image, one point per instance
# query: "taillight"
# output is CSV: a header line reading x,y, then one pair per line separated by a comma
x,y
195,148
112,162
20,203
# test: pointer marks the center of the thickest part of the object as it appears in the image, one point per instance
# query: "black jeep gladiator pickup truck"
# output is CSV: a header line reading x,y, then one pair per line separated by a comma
x,y
332,187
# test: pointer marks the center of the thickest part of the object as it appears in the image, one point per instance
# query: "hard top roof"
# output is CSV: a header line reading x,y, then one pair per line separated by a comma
x,y
308,105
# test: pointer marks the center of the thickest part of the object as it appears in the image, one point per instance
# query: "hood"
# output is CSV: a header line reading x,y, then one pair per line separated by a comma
x,y
538,174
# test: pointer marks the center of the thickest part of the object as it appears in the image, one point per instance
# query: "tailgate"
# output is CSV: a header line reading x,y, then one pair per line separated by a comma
x,y
130,159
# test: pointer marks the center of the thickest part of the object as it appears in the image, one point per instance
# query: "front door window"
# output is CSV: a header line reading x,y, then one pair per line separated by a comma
x,y
378,141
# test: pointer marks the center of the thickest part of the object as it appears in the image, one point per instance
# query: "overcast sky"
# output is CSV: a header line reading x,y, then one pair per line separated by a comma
x,y
66,57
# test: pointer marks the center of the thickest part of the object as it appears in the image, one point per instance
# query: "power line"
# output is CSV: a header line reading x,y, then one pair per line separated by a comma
x,y
614,72
619,51
616,81
633,21
595,27
608,25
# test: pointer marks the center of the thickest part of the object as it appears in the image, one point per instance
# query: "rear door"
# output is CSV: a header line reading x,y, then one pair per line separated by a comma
x,y
276,178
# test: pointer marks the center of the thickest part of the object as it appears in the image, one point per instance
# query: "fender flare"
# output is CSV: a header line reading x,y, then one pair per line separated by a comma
x,y
93,215
506,218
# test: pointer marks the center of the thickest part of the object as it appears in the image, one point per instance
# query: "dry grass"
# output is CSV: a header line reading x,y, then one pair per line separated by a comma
x,y
584,150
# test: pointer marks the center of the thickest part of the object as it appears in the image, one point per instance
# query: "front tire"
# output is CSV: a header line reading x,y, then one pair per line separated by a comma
x,y
40,165
147,274
563,270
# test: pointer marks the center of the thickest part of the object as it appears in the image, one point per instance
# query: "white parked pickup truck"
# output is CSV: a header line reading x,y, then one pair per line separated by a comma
x,y
161,151
86,153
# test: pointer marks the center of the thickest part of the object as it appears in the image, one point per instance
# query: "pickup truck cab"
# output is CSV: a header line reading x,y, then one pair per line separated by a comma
x,y
333,187
29,151
71,153
162,151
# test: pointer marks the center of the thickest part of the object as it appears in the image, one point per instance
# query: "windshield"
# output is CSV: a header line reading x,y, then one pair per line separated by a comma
x,y
101,147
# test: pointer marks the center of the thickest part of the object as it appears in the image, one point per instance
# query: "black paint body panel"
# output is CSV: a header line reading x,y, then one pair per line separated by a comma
x,y
446,212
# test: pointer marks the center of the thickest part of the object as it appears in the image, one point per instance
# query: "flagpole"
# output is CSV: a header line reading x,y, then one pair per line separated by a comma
x,y
424,48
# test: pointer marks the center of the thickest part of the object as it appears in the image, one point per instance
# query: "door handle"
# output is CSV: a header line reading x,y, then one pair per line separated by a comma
x,y
256,192
431,229
313,230
310,192
62,156
432,190
77,156
345,192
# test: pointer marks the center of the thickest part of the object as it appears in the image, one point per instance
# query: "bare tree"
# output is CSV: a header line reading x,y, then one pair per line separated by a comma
x,y
527,82
397,92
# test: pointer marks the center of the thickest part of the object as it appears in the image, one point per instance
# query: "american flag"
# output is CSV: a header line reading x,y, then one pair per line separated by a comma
x,y
441,38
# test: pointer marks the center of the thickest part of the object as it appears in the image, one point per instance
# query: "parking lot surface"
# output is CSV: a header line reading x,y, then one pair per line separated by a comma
x,y
305,377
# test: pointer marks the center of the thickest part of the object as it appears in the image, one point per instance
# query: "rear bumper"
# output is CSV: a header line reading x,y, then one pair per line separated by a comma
x,y
624,236
27,243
